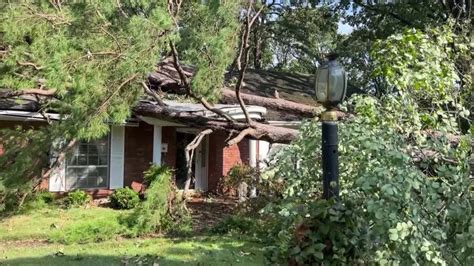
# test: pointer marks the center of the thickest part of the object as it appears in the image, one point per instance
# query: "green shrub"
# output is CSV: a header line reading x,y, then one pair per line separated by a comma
x,y
77,198
36,201
46,196
237,174
155,171
395,207
161,211
124,198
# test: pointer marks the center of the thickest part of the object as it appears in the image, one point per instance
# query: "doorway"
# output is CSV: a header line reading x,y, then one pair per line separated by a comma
x,y
199,164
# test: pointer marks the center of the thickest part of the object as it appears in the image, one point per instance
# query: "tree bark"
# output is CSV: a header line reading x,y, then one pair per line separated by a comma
x,y
304,110
168,80
189,153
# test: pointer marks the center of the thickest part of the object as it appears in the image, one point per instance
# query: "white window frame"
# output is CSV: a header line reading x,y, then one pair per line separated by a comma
x,y
90,167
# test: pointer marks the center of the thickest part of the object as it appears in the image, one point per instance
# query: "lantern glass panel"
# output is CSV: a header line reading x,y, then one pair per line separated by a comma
x,y
336,84
322,84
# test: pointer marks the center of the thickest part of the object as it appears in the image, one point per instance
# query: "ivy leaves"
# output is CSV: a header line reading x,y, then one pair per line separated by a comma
x,y
418,61
394,208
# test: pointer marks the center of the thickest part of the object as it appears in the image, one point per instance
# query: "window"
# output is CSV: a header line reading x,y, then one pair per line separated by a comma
x,y
88,165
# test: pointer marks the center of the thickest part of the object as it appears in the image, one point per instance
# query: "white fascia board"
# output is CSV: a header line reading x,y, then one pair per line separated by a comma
x,y
12,115
25,116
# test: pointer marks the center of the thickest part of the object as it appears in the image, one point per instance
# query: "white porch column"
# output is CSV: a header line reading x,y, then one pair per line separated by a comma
x,y
263,149
117,150
253,162
157,144
253,153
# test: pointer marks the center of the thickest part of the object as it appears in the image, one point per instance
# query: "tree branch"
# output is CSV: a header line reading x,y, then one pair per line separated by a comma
x,y
153,94
187,86
29,64
240,136
244,52
189,153
386,12
16,93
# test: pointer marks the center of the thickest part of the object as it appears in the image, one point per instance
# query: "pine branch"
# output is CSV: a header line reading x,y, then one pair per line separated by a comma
x,y
187,86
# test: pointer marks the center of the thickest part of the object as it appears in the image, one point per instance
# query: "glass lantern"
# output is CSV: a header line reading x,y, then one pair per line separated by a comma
x,y
331,84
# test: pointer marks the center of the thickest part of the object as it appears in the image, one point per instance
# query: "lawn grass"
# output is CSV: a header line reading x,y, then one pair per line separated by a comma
x,y
24,241
45,223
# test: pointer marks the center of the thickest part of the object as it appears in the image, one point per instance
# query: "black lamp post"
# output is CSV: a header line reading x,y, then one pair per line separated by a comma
x,y
331,85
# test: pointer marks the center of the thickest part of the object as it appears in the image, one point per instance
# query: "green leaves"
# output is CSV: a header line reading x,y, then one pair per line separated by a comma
x,y
421,62
208,40
395,206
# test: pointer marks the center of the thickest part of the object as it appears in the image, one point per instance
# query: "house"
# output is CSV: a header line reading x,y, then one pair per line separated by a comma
x,y
119,159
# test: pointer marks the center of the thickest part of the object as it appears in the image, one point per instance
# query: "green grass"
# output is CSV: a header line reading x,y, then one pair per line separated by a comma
x,y
23,242
46,223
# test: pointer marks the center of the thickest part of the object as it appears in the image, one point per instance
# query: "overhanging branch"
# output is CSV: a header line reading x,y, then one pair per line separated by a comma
x,y
16,93
187,86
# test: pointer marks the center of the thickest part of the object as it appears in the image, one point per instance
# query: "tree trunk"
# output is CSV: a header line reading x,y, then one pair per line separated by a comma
x,y
304,110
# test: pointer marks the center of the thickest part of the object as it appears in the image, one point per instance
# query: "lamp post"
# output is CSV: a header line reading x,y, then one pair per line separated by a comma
x,y
331,85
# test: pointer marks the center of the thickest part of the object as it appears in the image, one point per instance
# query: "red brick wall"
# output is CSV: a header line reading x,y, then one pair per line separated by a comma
x,y
138,152
216,155
222,158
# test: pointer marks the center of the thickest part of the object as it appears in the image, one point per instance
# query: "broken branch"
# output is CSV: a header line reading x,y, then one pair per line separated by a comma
x,y
189,153
16,93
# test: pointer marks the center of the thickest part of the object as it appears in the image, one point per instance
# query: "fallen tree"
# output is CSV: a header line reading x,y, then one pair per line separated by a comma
x,y
259,131
167,79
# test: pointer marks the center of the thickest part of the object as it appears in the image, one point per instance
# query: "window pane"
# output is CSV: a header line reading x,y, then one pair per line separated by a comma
x,y
82,160
72,160
93,160
93,150
102,149
103,160
88,167
83,148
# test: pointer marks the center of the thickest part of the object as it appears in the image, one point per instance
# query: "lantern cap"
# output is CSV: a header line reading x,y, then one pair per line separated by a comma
x,y
332,56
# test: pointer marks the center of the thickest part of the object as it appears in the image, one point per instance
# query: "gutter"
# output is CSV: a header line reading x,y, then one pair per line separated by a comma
x,y
26,116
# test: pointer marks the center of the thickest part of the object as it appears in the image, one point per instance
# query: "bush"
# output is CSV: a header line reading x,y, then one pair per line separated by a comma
x,y
155,171
395,207
46,196
237,174
38,200
161,211
77,198
124,198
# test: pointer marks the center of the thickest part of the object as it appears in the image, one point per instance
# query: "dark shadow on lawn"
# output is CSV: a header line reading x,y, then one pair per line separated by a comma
x,y
223,255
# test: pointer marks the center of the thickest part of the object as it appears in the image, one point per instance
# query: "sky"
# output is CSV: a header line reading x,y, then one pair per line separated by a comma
x,y
343,28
